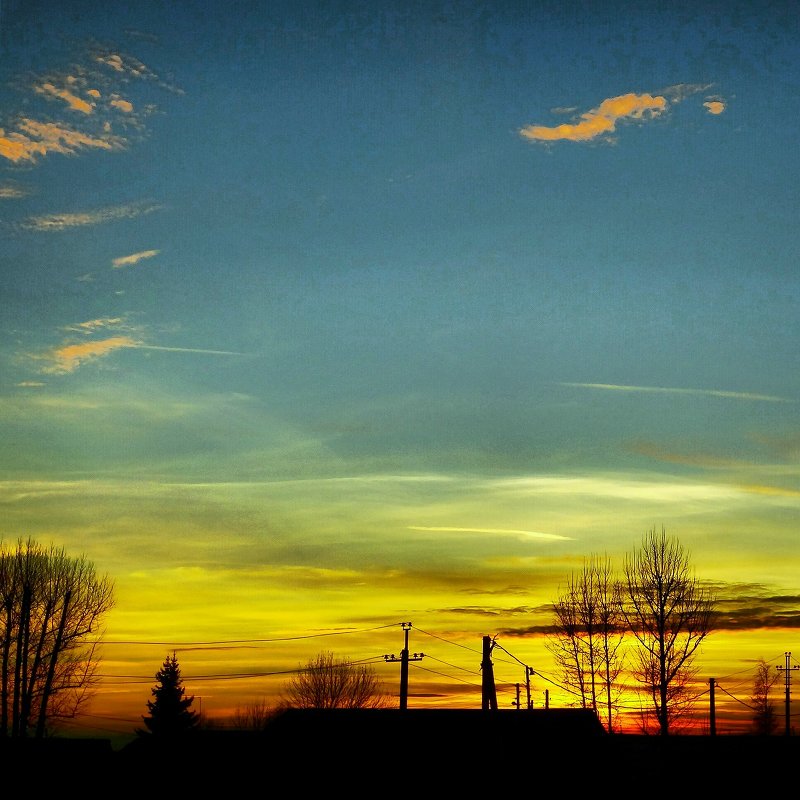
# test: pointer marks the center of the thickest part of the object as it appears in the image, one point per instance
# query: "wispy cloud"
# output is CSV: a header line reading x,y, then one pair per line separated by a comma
x,y
602,120
754,606
678,92
123,64
12,192
188,350
133,258
613,387
68,357
71,356
127,65
501,531
92,325
60,222
659,453
616,486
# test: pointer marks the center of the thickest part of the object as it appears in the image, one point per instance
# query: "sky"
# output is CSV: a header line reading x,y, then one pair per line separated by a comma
x,y
322,318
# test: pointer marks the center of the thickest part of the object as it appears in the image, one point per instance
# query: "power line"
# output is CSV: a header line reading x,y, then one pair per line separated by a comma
x,y
441,638
444,675
733,697
127,680
244,641
454,666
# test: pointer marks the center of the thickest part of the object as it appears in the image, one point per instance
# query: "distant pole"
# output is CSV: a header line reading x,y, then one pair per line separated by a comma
x,y
547,698
787,683
713,725
488,689
528,673
404,659
516,702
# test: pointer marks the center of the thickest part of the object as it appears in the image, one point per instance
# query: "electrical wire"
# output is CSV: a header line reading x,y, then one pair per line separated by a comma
x,y
245,641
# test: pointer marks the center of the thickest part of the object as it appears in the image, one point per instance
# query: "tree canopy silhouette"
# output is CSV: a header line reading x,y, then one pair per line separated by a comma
x,y
51,608
170,709
328,682
587,637
669,613
765,720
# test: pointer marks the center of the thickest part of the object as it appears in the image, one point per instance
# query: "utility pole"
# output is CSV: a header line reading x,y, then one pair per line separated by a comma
x,y
516,702
404,659
712,722
547,698
528,673
488,689
787,682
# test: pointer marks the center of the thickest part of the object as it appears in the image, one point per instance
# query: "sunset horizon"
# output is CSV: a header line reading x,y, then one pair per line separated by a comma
x,y
322,319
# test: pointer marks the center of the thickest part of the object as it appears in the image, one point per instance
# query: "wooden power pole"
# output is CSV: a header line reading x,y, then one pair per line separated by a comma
x,y
713,716
528,673
488,689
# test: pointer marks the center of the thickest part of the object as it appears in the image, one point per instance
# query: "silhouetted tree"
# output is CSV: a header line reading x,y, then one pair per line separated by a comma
x,y
254,716
51,608
328,682
170,710
765,721
587,637
670,614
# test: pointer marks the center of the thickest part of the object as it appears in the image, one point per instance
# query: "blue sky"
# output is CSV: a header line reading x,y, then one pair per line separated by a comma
x,y
442,296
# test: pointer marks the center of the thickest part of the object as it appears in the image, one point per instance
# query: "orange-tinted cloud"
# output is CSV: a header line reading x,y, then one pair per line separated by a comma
x,y
112,60
134,258
72,100
122,105
123,64
92,92
602,120
714,106
69,357
33,139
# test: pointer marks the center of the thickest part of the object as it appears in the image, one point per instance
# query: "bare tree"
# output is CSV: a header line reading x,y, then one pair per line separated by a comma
x,y
670,614
254,716
611,634
51,607
765,721
587,637
328,682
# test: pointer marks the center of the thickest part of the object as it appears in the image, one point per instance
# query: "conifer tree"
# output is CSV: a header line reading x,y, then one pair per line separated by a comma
x,y
170,711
